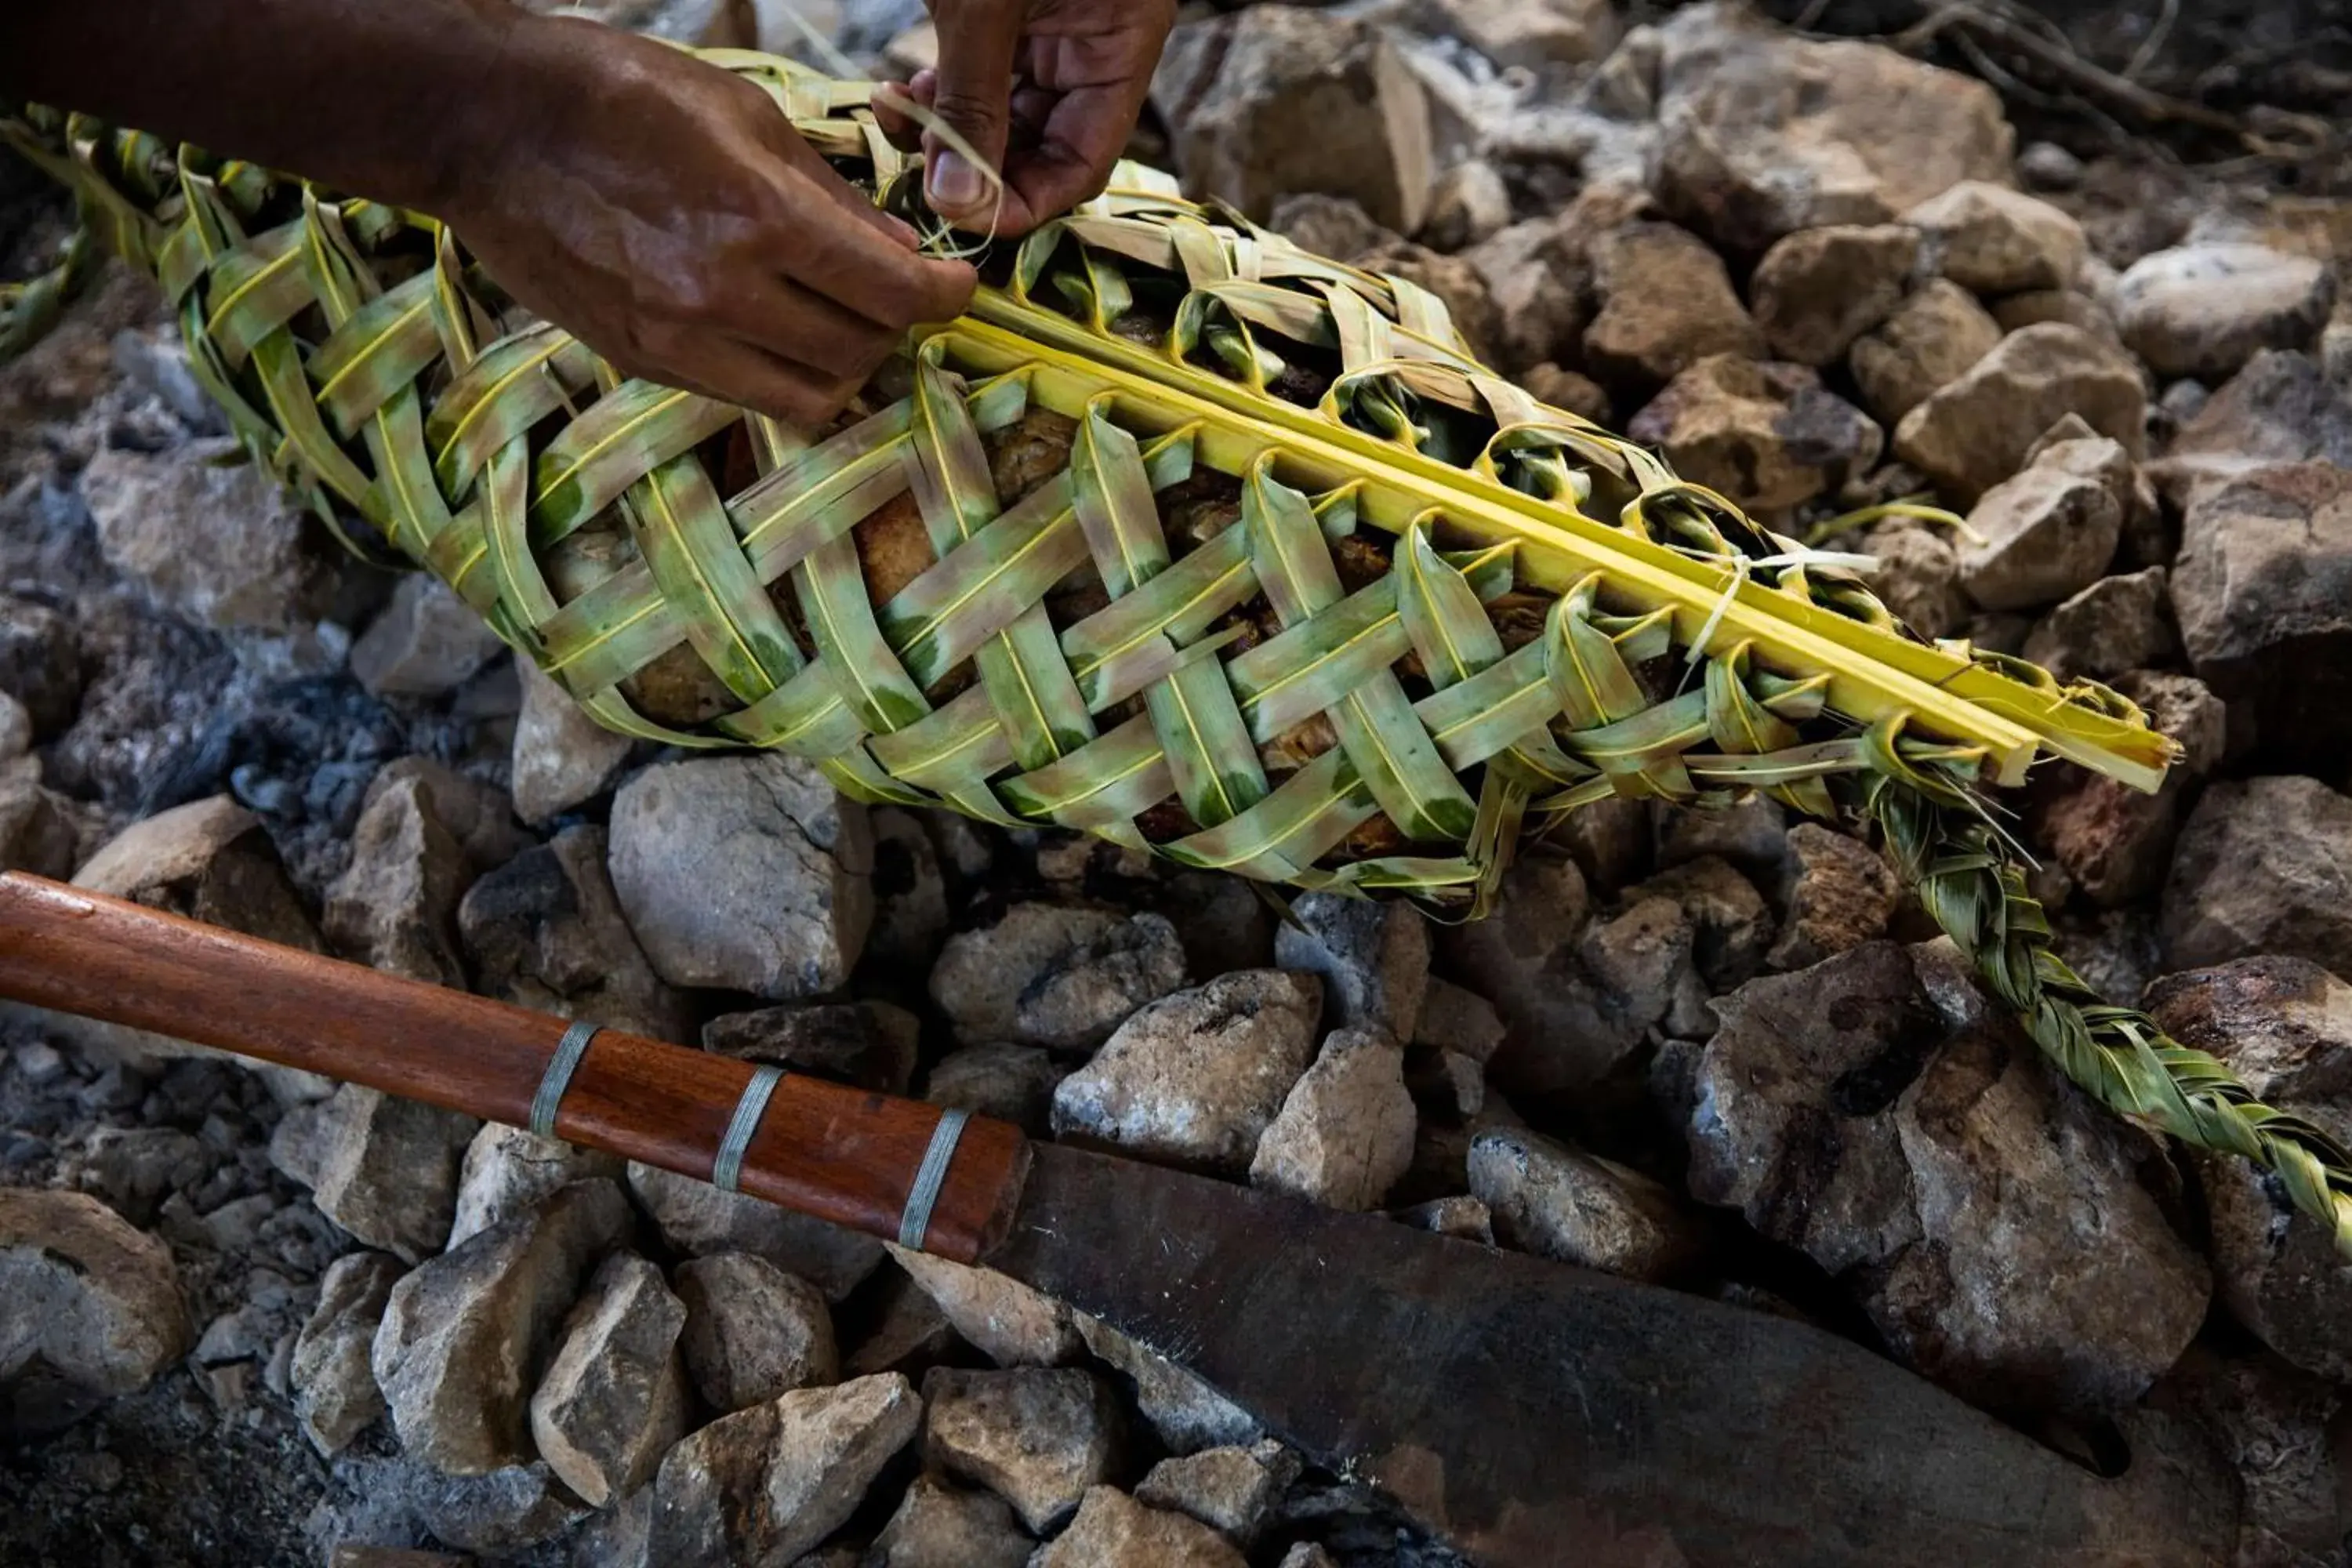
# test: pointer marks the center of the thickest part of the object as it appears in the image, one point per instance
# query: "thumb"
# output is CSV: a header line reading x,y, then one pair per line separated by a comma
x,y
979,40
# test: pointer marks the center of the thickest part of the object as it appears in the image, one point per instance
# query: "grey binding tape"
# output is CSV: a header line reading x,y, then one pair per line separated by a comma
x,y
930,1177
558,1077
728,1168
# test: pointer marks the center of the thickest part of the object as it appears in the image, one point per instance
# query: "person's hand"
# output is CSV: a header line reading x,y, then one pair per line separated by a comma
x,y
664,212
1048,90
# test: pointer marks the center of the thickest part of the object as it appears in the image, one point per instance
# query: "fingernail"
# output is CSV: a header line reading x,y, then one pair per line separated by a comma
x,y
954,183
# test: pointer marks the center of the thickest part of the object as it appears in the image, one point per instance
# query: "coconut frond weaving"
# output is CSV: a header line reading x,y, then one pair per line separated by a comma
x,y
1184,536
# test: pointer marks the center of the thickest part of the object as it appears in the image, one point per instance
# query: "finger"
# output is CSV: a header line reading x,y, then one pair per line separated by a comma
x,y
810,165
905,131
714,365
978,42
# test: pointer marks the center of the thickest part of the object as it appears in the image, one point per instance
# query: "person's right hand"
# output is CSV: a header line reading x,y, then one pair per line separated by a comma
x,y
664,213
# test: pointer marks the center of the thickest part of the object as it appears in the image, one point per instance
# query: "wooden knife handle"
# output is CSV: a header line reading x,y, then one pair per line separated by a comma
x,y
841,1154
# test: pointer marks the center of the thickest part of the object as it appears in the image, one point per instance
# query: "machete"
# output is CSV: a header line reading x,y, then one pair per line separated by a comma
x,y
1530,1412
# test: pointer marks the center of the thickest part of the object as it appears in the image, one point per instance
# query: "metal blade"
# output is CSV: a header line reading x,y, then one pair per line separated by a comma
x,y
1538,1414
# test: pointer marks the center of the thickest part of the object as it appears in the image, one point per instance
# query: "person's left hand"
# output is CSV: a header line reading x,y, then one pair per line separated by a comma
x,y
1048,90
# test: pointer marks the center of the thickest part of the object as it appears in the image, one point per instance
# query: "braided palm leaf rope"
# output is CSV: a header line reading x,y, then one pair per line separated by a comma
x,y
1184,537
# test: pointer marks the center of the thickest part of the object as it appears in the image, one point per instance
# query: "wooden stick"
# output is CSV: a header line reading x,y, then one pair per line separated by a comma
x,y
841,1154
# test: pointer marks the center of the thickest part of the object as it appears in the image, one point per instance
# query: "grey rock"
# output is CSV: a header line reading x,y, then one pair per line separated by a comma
x,y
1936,1166
1266,102
1667,303
1114,1531
1977,431
1918,577
2116,624
1574,1207
545,931
2272,1426
1184,1413
1926,344
697,1220
2282,408
613,1399
1994,240
386,1169
2115,842
1011,1083
1344,1134
2046,166
40,663
943,1526
1221,919
1045,974
1463,1022
1549,33
395,906
1819,289
869,1044
38,832
94,1308
1538,280
2206,310
1731,926
744,874
563,757
427,642
508,1169
2264,865
1231,1491
16,729
1752,834
1769,436
2284,1025
1464,1218
1335,227
335,1394
1841,894
465,1336
1469,201
1037,1438
1004,1320
910,894
1308,1554
906,1331
499,1514
757,1489
754,1332
208,537
1373,956
2073,308
1197,1076
2050,533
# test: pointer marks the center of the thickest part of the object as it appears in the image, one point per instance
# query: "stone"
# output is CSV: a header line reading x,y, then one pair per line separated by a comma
x,y
499,1514
1335,227
904,1332
910,894
1820,288
1231,1491
16,729
40,663
697,1220
1918,577
1766,132
1995,240
1570,391
386,1169
613,1399
2204,310
744,873
209,537
1052,975
1873,1112
1037,1438
1978,430
507,1170
1184,1413
1196,1077
1344,1134
1769,436
2050,533
335,1395
1469,201
1222,921
1667,303
2284,1026
868,1044
2117,624
1004,1320
1372,957
1731,926
2282,408
94,1309
762,1486
2272,1425
1114,1531
545,931
2115,843
1308,1554
1538,282
1459,1021
1574,1207
465,1335
1460,287
2263,592
1464,1218
1930,341
2016,312
425,643
394,907
38,828
1841,894
943,1526
1534,35
1261,103
2264,865
478,815
753,1332
563,757
1011,1083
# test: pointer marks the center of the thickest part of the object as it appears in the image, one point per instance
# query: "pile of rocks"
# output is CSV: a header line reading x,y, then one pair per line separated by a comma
x,y
1706,1048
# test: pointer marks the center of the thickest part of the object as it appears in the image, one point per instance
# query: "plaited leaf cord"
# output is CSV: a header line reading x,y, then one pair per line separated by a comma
x,y
1183,537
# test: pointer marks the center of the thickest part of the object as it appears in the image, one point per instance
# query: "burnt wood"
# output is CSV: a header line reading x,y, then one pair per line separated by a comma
x,y
841,1154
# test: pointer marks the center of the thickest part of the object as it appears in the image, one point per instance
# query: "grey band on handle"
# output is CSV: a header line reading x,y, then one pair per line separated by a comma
x,y
558,1077
930,1177
727,1171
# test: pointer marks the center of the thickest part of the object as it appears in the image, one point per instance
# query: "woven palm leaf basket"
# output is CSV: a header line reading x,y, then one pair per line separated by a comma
x,y
1184,536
